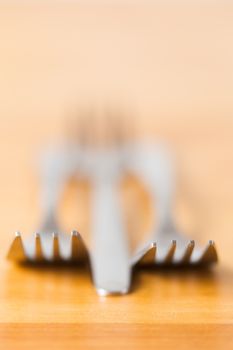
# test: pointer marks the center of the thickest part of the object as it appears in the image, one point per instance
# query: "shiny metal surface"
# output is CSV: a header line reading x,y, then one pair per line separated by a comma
x,y
154,166
110,261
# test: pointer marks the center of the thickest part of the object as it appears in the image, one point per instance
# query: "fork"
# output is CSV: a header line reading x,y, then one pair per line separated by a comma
x,y
103,165
49,244
111,265
167,245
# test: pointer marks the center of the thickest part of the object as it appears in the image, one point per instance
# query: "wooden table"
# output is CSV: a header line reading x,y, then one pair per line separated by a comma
x,y
171,65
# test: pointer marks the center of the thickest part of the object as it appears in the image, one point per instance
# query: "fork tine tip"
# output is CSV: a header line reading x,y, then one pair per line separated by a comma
x,y
74,233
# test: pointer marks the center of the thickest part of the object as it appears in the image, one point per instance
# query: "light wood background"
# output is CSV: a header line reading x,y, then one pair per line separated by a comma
x,y
170,68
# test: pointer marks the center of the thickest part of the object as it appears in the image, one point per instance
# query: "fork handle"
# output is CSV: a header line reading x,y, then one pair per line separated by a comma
x,y
154,166
110,258
56,166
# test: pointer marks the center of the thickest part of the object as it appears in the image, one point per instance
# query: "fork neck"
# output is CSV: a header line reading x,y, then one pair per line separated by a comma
x,y
49,223
164,206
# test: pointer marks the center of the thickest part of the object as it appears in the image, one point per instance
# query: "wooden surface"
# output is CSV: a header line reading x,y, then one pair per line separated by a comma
x,y
171,66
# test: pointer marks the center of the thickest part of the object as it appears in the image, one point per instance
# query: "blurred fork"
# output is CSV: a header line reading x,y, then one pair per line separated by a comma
x,y
103,165
167,245
49,244
100,159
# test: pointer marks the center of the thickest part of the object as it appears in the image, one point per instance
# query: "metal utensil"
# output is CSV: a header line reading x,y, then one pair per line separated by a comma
x,y
103,165
110,260
167,246
49,244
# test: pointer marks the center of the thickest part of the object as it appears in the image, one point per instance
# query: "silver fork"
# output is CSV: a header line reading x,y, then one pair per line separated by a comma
x,y
111,268
49,243
103,165
166,245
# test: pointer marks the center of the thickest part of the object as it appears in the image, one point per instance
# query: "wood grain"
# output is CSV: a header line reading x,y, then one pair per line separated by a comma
x,y
171,66
102,336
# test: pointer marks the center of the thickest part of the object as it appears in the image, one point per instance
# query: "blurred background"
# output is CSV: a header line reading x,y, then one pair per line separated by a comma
x,y
166,66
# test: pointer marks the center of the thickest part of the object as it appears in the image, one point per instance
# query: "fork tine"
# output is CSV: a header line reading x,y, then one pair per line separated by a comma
x,y
56,252
74,245
210,254
78,248
149,255
170,254
145,255
38,248
188,252
16,251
